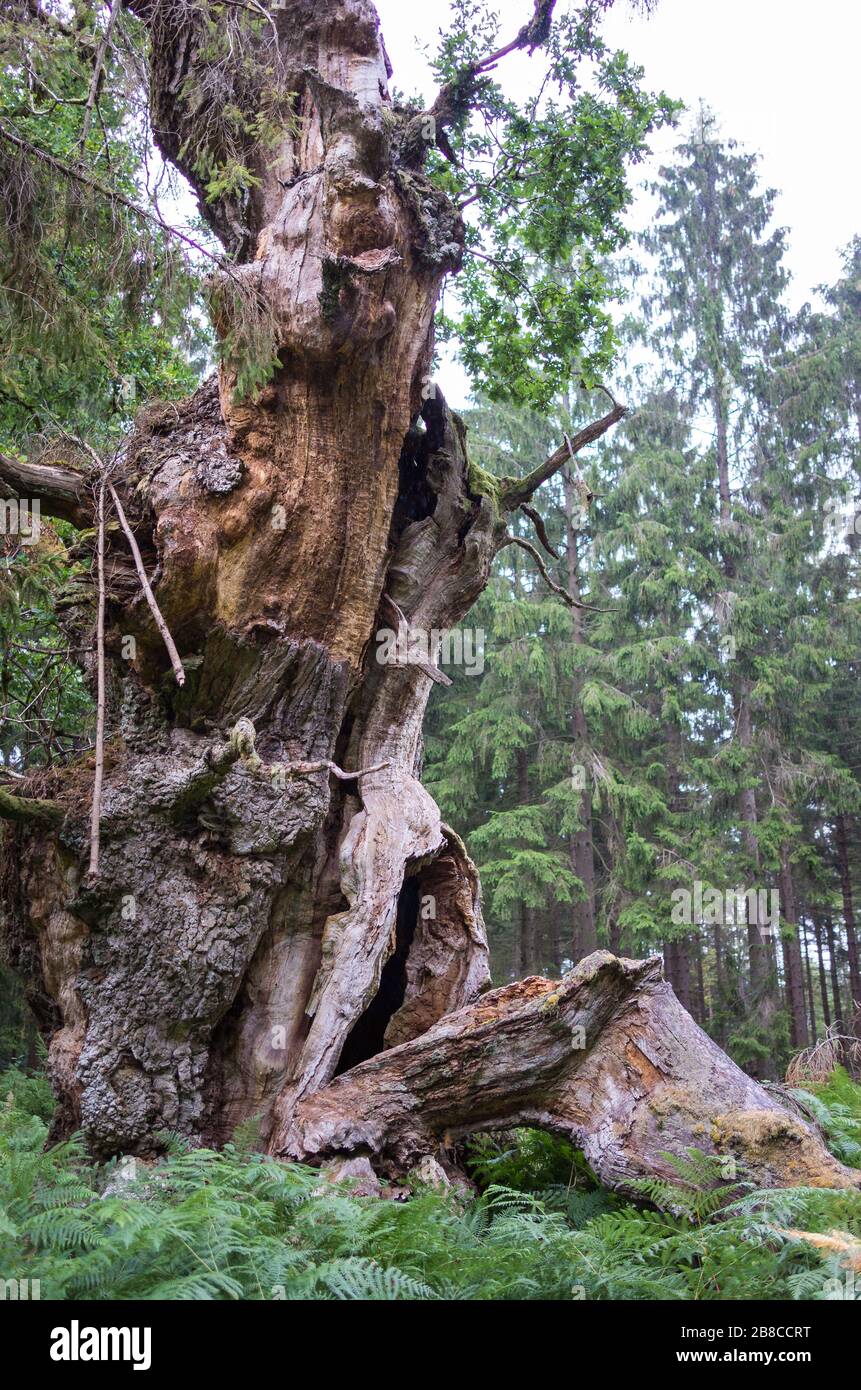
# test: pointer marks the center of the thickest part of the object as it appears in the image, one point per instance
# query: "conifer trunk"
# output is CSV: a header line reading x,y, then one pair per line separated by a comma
x,y
584,935
842,843
794,967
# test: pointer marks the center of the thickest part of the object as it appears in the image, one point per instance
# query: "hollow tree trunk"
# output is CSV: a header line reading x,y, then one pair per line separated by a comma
x,y
244,910
277,898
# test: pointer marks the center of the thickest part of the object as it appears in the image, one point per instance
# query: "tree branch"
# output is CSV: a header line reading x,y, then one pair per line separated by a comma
x,y
29,811
450,99
326,765
515,491
98,67
538,522
111,194
530,549
60,492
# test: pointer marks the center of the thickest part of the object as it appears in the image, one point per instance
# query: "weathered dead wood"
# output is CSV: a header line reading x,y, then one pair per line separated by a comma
x,y
515,491
251,934
607,1058
60,492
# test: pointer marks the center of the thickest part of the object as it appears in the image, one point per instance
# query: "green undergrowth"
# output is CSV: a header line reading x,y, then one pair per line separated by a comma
x,y
237,1225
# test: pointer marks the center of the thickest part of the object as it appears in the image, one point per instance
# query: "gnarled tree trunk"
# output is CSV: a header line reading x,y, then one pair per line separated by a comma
x,y
277,897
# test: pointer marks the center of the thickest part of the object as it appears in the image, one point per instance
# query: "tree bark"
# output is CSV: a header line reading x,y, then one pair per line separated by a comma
x,y
763,978
831,938
823,979
794,968
701,1010
811,998
527,923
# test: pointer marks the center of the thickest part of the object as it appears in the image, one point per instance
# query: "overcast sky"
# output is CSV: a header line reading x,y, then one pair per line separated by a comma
x,y
782,76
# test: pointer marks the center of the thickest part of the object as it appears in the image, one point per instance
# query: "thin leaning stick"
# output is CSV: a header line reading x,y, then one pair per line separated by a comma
x,y
172,652
96,815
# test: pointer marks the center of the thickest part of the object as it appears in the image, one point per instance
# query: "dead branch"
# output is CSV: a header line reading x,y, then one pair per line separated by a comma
x,y
563,593
60,492
98,66
541,531
515,491
326,765
160,623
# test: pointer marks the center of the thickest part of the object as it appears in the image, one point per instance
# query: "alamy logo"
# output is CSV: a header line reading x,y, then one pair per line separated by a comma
x,y
711,907
76,1343
416,647
16,1289
846,1288
21,518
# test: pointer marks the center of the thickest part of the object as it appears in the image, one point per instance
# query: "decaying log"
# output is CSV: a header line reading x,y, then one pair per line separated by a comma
x,y
607,1058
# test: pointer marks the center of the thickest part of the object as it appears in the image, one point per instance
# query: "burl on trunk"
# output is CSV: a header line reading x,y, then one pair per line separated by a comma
x,y
267,847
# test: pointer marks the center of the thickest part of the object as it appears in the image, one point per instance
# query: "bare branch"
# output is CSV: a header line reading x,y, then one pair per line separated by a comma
x,y
98,66
538,522
530,549
515,491
530,36
326,765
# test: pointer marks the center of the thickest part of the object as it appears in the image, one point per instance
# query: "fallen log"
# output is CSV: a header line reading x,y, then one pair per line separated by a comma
x,y
606,1057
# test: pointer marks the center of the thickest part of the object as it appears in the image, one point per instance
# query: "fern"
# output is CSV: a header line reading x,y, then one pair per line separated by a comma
x,y
238,1225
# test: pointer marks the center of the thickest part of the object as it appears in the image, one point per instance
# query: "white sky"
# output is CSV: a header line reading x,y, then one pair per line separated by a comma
x,y
781,75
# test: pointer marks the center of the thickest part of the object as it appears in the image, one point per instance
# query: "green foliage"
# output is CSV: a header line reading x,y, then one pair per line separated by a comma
x,y
236,1225
528,1160
28,1094
547,186
835,1106
95,303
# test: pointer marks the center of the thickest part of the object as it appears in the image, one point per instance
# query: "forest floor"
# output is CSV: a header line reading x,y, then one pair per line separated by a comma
x,y
237,1225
